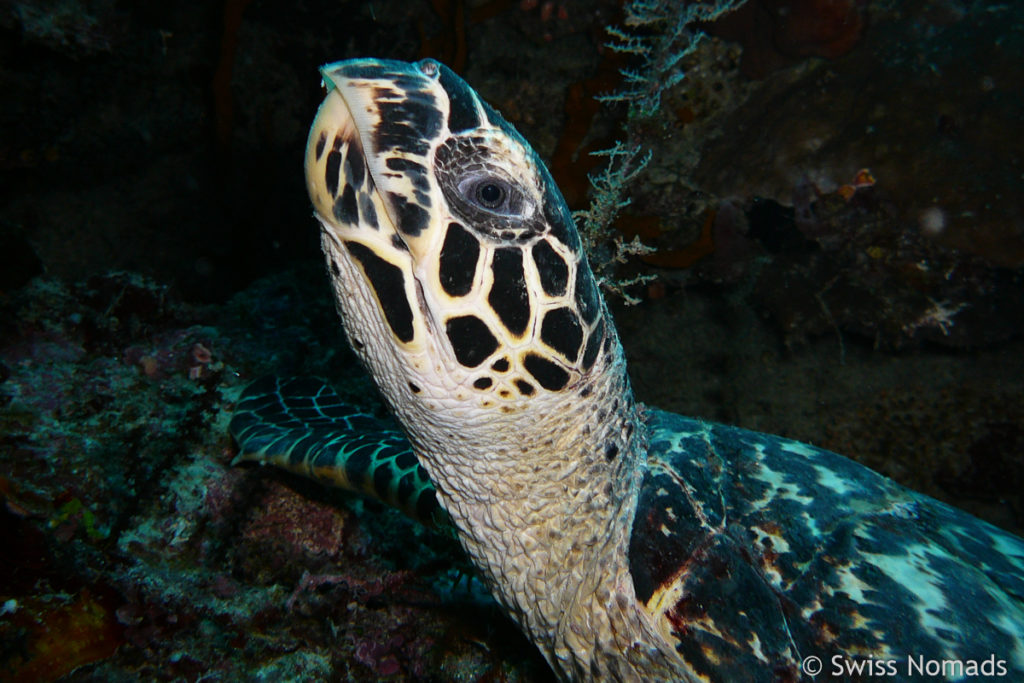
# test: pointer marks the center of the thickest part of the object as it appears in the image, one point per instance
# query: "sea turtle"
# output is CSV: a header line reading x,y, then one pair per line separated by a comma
x,y
626,542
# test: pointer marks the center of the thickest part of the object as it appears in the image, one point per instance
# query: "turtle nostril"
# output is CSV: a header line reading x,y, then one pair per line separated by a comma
x,y
428,67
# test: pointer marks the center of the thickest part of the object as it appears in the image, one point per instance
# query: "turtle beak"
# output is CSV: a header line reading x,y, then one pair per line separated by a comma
x,y
395,114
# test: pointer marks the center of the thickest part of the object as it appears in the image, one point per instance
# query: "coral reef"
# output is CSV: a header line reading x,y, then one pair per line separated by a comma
x,y
662,34
134,549
866,200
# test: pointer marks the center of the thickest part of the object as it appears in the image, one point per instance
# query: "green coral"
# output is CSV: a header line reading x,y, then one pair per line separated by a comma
x,y
606,246
661,33
75,509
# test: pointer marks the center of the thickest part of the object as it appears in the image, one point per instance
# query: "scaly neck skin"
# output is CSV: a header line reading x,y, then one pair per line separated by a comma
x,y
541,508
464,289
545,513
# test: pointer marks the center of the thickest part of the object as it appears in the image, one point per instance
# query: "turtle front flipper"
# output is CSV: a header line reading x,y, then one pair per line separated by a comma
x,y
303,426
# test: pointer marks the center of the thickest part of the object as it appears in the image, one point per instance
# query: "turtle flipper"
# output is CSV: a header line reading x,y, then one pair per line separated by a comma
x,y
303,426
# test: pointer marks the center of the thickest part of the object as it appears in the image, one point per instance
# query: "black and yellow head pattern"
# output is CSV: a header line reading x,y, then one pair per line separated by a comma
x,y
447,240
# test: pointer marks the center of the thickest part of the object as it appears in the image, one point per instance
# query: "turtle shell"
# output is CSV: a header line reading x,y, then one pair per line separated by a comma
x,y
754,552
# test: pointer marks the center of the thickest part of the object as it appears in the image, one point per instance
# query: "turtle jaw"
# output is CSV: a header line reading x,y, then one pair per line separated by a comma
x,y
365,207
332,148
389,118
353,195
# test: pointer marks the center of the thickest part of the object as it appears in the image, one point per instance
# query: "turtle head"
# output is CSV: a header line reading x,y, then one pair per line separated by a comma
x,y
457,269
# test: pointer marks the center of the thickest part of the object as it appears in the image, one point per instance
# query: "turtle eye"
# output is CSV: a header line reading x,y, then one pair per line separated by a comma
x,y
492,194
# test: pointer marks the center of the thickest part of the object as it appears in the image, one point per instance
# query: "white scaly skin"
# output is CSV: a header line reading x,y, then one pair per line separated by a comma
x,y
539,507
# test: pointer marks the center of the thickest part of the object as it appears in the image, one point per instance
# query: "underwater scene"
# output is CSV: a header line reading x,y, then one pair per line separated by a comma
x,y
805,216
